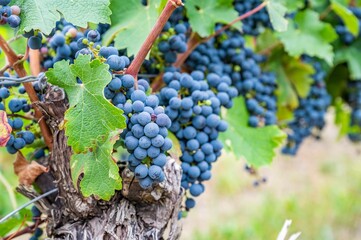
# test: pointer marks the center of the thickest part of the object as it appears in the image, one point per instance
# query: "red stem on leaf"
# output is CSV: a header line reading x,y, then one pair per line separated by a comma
x,y
19,69
29,229
193,43
148,43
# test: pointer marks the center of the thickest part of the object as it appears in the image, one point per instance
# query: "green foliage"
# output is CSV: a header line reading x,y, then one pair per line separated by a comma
x,y
203,15
176,150
43,14
352,56
131,23
18,221
311,37
350,20
277,13
242,140
294,79
101,173
90,117
342,117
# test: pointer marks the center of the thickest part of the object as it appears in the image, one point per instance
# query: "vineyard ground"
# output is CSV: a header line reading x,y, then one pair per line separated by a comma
x,y
318,190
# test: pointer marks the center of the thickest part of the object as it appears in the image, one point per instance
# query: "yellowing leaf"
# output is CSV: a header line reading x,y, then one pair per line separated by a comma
x,y
27,172
5,129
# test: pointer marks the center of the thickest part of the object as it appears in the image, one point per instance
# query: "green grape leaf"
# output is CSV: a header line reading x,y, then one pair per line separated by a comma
x,y
291,6
277,12
43,14
342,117
311,37
293,76
176,151
90,117
352,56
257,145
131,23
101,173
350,20
203,15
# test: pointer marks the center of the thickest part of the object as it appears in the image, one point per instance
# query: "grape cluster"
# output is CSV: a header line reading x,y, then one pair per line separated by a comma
x,y
207,58
254,23
175,44
21,135
228,56
195,113
310,115
9,14
355,103
345,35
66,42
36,217
147,129
257,87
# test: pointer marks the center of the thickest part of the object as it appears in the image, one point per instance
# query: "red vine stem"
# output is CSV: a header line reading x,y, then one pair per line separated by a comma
x,y
193,43
19,69
29,229
35,67
148,43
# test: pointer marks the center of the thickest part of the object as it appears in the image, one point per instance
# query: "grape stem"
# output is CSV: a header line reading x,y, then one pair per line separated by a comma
x,y
34,60
21,116
2,70
268,50
18,66
134,67
196,40
29,229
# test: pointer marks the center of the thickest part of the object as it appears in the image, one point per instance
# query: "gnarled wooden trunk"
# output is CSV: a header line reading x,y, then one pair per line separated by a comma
x,y
131,214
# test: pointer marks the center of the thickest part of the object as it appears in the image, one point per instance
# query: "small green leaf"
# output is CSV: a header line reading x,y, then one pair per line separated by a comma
x,y
311,37
347,17
131,23
292,6
277,12
203,15
257,145
90,117
176,150
293,76
352,56
101,173
342,117
43,14
10,224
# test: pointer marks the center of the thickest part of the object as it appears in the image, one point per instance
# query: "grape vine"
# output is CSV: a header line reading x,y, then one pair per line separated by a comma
x,y
188,84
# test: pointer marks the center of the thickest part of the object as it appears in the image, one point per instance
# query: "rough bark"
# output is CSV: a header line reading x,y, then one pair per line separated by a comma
x,y
131,214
